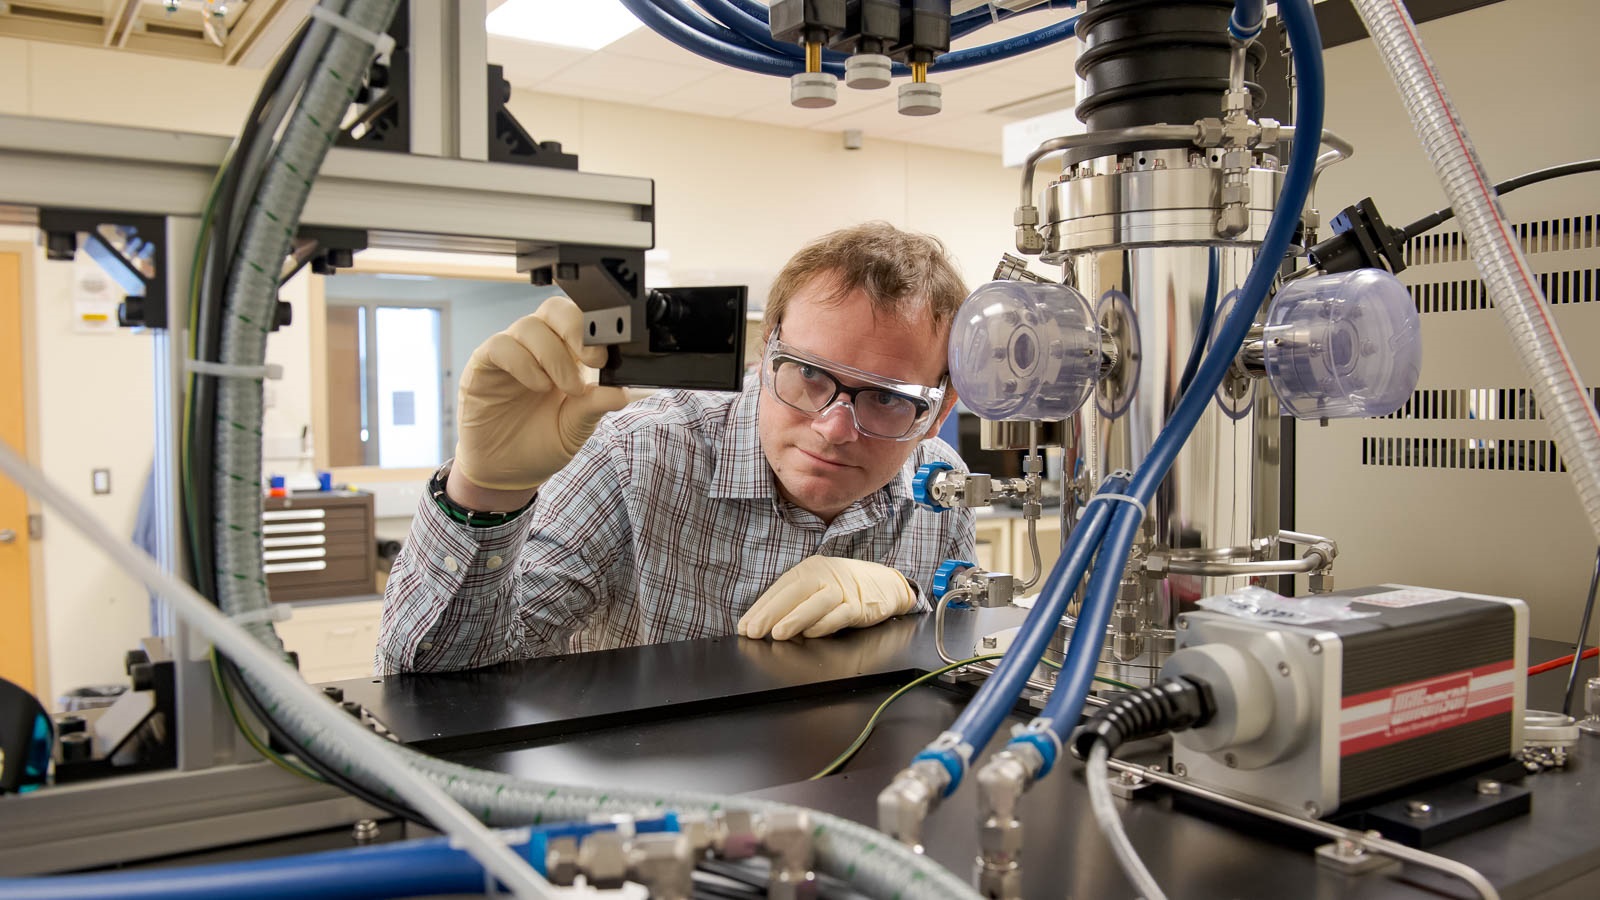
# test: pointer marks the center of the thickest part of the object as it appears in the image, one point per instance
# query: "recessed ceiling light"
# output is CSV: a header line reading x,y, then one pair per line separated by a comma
x,y
589,25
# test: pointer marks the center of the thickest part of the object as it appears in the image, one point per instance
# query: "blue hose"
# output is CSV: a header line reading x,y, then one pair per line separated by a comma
x,y
755,32
1306,44
1202,329
692,31
403,869
983,715
973,19
727,54
1247,20
1061,713
1013,46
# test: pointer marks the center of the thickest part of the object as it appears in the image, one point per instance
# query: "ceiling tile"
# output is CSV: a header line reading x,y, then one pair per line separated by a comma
x,y
527,64
706,103
646,44
1050,67
732,88
628,77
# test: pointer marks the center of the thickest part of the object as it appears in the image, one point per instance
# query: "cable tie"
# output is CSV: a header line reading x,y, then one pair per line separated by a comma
x,y
271,371
1122,498
1041,725
274,613
382,43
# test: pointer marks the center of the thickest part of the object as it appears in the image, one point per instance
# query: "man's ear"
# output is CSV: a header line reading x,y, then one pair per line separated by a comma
x,y
945,409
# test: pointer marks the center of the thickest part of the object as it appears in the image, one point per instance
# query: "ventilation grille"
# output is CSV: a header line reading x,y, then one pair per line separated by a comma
x,y
1478,404
1545,236
1559,288
1462,453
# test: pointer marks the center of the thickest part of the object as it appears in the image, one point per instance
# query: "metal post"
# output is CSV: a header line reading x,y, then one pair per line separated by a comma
x,y
202,736
449,79
472,80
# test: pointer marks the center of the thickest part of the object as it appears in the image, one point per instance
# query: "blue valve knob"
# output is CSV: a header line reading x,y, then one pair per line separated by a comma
x,y
919,485
946,573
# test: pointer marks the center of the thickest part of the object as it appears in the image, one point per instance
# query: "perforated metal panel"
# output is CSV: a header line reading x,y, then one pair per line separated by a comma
x,y
1463,487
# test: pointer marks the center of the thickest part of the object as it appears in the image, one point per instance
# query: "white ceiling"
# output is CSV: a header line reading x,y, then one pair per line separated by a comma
x,y
645,69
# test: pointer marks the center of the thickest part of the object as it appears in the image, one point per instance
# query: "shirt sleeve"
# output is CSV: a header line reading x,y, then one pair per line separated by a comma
x,y
461,597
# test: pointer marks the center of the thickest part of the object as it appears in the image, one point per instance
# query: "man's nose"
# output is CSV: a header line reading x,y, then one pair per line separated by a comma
x,y
837,423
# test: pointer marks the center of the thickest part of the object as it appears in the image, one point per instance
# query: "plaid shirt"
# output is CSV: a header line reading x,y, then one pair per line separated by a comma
x,y
665,526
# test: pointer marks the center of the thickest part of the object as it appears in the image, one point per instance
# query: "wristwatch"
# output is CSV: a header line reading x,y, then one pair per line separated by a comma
x,y
470,517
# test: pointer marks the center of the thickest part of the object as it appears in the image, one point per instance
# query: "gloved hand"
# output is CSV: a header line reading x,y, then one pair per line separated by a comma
x,y
524,408
823,594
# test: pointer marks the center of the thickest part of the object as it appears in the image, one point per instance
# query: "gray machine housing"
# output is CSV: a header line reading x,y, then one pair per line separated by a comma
x,y
1434,683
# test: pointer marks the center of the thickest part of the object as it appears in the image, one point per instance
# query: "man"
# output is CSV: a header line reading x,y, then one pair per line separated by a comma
x,y
782,511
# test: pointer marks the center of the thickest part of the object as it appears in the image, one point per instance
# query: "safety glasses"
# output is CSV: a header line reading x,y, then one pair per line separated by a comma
x,y
881,407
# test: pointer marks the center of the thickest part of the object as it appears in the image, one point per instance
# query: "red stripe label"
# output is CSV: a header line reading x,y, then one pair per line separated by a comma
x,y
1407,711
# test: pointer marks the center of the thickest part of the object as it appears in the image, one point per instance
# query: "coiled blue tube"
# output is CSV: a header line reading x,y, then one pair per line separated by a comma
x,y
718,47
715,50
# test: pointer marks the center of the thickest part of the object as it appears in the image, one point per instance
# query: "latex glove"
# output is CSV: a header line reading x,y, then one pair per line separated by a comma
x,y
524,407
823,594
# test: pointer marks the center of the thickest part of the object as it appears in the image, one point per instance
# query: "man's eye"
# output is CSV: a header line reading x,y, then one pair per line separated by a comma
x,y
812,373
889,400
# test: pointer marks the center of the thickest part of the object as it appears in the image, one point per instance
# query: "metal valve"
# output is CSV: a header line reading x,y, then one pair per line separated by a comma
x,y
961,583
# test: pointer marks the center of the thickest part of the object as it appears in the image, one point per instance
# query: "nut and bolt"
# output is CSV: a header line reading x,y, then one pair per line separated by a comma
x,y
1312,809
1315,646
1180,770
1183,624
1283,669
1419,809
1488,787
365,831
990,642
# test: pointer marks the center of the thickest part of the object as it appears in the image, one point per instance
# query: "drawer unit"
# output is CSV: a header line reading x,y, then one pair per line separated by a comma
x,y
319,545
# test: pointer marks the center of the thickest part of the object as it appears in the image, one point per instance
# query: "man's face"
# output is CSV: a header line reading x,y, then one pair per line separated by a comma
x,y
823,463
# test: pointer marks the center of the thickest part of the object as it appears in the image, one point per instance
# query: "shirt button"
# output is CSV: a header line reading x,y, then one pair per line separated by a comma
x,y
493,563
425,645
450,564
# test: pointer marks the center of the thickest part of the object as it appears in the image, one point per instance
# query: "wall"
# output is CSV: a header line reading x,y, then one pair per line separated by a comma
x,y
94,408
735,199
1520,73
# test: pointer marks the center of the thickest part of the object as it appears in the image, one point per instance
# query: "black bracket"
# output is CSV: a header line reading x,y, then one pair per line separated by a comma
x,y
142,729
690,338
144,241
383,117
1361,240
509,141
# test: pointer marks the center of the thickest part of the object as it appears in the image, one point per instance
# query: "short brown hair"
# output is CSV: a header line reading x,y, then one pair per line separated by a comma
x,y
904,273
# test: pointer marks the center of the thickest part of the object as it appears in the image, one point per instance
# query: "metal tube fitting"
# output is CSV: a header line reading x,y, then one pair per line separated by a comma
x,y
786,839
907,801
1001,784
663,863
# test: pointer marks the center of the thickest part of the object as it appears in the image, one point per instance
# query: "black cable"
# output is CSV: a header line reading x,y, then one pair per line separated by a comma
x,y
208,329
1433,220
391,805
1583,635
1172,704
